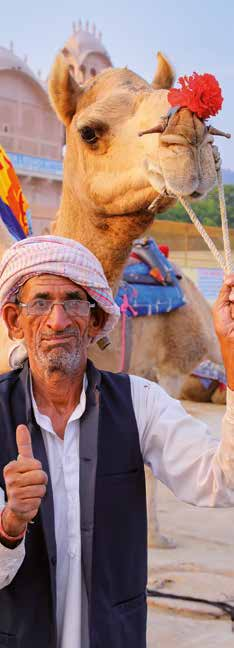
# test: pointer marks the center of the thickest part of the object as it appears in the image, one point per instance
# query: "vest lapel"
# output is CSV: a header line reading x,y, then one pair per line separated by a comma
x,y
47,505
88,466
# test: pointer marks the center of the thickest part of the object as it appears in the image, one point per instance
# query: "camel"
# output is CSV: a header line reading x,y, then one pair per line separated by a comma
x,y
107,194
111,178
107,190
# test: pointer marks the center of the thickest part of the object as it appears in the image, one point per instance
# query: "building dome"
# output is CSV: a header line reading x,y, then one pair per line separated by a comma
x,y
85,52
10,61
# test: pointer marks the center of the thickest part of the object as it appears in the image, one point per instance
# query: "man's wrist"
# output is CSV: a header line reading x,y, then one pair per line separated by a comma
x,y
10,526
230,380
228,361
10,544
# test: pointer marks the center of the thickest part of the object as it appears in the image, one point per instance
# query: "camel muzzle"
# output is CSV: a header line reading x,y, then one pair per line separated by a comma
x,y
186,162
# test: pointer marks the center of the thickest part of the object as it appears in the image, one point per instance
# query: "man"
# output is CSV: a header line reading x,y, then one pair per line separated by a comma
x,y
74,441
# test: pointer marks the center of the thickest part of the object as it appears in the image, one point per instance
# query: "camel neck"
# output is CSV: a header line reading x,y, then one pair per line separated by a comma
x,y
110,238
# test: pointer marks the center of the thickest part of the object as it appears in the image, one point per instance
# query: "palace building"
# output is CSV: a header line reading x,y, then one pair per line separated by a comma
x,y
29,129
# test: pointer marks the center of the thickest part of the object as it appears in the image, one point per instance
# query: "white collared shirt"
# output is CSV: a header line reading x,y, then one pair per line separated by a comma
x,y
180,451
63,460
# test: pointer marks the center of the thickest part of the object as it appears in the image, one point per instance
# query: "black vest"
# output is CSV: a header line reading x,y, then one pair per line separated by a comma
x,y
113,521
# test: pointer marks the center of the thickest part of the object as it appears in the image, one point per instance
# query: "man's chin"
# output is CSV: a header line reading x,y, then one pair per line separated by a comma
x,y
57,367
60,361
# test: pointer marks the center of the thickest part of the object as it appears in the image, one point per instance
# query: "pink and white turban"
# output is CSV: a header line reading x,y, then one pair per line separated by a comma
x,y
58,256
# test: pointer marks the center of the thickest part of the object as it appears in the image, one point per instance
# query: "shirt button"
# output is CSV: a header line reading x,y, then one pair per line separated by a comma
x,y
72,553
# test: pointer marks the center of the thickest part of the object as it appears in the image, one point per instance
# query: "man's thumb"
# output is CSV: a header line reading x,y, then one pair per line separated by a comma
x,y
23,440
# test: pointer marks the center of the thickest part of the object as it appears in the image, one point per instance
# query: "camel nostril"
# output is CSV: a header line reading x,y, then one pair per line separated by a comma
x,y
195,194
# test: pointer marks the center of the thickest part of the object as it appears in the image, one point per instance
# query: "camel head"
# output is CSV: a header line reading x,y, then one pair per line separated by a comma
x,y
107,165
115,180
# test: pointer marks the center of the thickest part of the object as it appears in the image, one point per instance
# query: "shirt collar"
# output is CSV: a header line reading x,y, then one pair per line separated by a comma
x,y
44,421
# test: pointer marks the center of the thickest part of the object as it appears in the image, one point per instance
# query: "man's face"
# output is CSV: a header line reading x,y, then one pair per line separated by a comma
x,y
55,341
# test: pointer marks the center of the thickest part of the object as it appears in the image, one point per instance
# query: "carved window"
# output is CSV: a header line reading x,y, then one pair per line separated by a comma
x,y
82,69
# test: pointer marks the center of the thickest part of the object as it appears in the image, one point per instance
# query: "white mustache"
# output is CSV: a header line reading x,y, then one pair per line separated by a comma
x,y
59,334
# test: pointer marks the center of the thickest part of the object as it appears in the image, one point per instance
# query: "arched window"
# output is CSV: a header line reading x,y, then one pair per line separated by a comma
x,y
83,71
72,68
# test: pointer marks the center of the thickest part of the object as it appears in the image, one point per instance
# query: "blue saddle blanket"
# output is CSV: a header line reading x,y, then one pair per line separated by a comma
x,y
154,297
208,371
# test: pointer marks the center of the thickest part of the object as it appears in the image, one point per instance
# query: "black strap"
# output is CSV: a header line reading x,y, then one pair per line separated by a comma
x,y
226,607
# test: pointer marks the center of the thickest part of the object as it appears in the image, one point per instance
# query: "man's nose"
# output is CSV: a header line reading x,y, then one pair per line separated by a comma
x,y
57,318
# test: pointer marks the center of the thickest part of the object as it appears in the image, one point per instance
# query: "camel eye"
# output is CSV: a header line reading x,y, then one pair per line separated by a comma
x,y
89,135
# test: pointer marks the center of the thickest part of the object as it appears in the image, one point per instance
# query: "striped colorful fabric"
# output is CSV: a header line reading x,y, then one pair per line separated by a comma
x,y
208,371
14,209
60,256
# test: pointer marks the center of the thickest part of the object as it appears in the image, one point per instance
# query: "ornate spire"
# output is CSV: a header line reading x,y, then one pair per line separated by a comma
x,y
85,39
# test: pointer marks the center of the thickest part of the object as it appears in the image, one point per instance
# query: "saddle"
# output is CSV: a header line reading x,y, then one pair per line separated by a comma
x,y
208,371
150,284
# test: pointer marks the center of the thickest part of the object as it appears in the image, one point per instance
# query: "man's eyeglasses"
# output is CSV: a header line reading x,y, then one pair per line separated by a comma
x,y
74,307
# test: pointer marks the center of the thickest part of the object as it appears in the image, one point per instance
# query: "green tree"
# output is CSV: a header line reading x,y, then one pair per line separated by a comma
x,y
207,209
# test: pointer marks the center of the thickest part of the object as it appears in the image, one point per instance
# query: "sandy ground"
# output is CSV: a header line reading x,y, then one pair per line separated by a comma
x,y
202,565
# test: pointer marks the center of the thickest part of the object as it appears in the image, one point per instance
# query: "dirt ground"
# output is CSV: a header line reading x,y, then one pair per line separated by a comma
x,y
202,565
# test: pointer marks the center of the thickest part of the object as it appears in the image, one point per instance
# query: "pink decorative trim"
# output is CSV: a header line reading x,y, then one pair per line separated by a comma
x,y
123,310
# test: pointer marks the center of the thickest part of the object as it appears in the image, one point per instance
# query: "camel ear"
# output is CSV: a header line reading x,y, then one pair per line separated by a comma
x,y
63,90
165,74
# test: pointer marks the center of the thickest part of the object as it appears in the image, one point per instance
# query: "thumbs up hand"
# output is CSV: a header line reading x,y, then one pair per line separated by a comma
x,y
25,485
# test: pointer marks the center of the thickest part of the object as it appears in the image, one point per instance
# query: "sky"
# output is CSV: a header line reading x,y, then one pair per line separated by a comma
x,y
196,36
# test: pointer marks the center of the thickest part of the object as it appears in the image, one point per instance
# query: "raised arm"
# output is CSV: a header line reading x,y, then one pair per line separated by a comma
x,y
181,450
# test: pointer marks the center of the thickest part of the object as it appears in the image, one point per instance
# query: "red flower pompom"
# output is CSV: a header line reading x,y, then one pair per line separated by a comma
x,y
201,93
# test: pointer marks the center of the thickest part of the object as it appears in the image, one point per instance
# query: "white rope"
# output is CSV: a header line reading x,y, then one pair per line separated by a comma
x,y
226,264
224,220
219,258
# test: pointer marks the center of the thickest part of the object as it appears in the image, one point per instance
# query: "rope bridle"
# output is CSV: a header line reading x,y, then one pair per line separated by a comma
x,y
226,262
